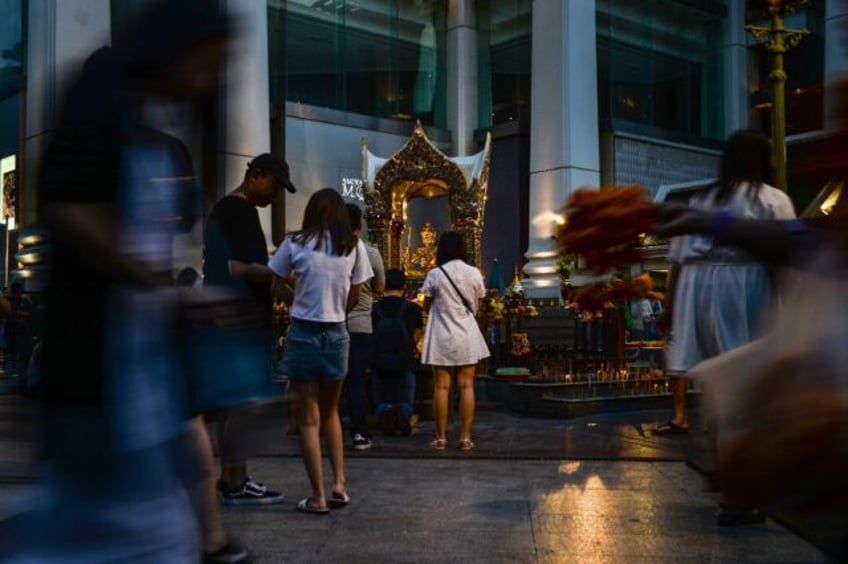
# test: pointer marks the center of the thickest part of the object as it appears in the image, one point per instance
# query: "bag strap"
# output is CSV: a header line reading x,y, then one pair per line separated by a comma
x,y
461,297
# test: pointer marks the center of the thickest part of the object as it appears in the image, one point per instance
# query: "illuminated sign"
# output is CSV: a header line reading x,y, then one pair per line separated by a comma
x,y
352,188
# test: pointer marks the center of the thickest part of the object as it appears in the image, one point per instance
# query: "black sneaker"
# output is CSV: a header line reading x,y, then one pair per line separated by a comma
x,y
361,442
388,421
736,515
231,553
403,426
250,493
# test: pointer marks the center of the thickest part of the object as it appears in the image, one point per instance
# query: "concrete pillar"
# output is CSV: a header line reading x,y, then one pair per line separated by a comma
x,y
835,62
564,151
462,75
246,104
736,95
61,34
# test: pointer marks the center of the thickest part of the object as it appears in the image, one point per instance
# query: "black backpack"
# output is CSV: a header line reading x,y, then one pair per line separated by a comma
x,y
392,346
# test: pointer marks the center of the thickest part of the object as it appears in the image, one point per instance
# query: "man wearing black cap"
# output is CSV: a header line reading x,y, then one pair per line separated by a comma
x,y
236,257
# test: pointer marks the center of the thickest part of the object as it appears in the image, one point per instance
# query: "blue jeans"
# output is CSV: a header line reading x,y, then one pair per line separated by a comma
x,y
316,352
358,363
395,390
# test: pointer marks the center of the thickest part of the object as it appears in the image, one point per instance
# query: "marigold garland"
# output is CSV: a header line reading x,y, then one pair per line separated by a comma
x,y
603,226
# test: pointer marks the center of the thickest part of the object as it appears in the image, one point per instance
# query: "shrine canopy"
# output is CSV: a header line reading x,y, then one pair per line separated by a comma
x,y
420,170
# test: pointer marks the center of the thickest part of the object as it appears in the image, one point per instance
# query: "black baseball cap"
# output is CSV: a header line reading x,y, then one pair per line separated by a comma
x,y
276,167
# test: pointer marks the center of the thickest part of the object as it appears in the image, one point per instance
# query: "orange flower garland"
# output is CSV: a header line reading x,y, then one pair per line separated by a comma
x,y
603,226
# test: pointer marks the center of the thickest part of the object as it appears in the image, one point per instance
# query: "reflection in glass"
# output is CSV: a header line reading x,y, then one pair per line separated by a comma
x,y
383,58
660,69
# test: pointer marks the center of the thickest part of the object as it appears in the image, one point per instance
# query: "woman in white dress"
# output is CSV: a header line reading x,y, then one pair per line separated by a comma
x,y
718,294
452,338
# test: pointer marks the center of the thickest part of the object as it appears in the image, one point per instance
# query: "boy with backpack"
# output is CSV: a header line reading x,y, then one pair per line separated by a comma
x,y
398,325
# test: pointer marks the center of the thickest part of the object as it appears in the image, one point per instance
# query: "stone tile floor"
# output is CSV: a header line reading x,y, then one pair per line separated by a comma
x,y
596,489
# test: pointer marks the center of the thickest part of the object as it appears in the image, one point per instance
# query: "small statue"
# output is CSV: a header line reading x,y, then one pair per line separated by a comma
x,y
424,257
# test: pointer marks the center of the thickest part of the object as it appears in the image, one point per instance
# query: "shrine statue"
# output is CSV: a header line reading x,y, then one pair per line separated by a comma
x,y
424,257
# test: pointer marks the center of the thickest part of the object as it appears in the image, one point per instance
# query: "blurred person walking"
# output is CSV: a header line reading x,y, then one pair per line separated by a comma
x,y
398,325
452,338
361,340
717,295
112,194
327,264
236,259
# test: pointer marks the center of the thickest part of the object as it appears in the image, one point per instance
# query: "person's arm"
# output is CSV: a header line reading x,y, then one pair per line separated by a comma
x,y
252,272
282,288
92,230
378,282
773,242
362,273
353,297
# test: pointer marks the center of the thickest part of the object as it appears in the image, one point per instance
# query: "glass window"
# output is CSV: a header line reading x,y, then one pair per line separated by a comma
x,y
660,68
505,58
124,12
11,73
383,58
804,67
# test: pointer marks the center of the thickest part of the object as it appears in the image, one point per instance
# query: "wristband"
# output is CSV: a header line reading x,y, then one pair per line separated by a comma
x,y
718,228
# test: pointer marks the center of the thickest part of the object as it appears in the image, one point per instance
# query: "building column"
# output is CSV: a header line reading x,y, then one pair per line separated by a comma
x,y
60,36
735,54
246,99
462,75
564,150
835,62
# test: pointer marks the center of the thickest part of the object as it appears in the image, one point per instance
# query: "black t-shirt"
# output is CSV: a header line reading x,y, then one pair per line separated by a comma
x,y
233,232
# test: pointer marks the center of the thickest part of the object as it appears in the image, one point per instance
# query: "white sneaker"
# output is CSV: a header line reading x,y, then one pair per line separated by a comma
x,y
361,443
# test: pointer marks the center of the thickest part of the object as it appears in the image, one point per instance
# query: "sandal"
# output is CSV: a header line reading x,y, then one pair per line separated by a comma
x,y
337,500
439,444
306,505
670,428
466,444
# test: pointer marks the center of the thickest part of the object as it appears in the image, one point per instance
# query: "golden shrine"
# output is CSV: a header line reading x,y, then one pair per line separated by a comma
x,y
420,170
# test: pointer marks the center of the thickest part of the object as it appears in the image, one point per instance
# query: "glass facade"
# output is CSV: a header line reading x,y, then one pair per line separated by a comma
x,y
660,68
12,50
505,58
382,58
804,67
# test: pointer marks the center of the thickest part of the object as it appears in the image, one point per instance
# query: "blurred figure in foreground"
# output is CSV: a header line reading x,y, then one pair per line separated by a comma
x,y
780,404
717,295
112,194
327,264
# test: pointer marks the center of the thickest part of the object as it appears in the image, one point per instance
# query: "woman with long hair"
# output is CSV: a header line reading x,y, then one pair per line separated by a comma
x,y
717,294
327,265
452,338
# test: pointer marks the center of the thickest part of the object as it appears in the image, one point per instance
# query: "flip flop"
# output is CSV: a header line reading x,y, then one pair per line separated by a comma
x,y
305,505
337,500
670,428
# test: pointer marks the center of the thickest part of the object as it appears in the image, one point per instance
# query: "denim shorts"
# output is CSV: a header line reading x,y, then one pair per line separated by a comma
x,y
316,351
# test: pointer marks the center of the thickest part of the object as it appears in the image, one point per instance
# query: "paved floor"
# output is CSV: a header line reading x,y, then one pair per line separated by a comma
x,y
597,489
